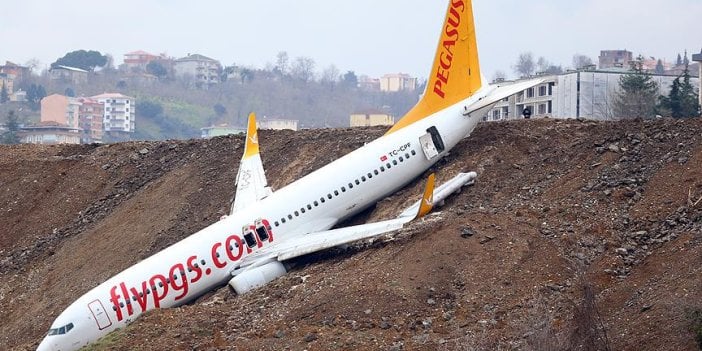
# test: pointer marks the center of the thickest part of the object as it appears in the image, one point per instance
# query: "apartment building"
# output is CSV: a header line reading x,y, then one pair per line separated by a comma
x,y
91,114
7,82
137,60
119,116
203,70
586,94
397,82
615,59
60,109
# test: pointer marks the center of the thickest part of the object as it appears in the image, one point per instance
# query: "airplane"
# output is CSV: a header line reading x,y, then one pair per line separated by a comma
x,y
265,229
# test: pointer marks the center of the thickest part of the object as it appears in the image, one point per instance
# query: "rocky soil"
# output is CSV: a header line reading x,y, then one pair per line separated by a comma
x,y
577,235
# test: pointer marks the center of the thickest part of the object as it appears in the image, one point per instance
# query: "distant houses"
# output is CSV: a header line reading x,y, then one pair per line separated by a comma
x,y
89,118
74,75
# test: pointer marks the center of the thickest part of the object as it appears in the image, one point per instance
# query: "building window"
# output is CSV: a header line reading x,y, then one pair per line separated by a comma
x,y
530,93
542,109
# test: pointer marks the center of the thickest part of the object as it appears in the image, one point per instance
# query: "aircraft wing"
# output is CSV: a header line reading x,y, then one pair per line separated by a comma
x,y
500,91
251,183
331,238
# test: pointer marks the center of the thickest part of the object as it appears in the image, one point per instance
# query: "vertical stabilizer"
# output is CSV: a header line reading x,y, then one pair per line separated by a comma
x,y
455,74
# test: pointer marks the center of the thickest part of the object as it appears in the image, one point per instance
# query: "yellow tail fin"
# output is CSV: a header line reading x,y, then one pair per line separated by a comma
x,y
456,72
251,146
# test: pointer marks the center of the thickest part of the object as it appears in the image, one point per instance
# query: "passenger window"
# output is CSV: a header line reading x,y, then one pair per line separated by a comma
x,y
277,224
388,165
343,189
370,176
322,199
407,156
414,152
203,262
329,196
297,214
309,207
303,210
316,204
282,220
363,178
394,162
336,192
402,159
350,185
382,168
357,182
290,217
376,172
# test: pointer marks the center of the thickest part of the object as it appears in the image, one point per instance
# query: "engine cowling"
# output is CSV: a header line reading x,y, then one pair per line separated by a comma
x,y
257,277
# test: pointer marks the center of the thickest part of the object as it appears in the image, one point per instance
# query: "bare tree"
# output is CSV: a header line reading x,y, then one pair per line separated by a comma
x,y
525,64
580,61
330,75
303,69
281,62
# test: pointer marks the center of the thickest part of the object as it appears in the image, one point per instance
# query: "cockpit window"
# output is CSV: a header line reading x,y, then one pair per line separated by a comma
x,y
62,330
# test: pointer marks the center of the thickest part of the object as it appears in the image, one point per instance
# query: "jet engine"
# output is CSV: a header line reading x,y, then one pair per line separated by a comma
x,y
257,277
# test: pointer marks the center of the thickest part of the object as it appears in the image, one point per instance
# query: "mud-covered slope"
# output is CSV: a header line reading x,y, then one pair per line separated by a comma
x,y
577,235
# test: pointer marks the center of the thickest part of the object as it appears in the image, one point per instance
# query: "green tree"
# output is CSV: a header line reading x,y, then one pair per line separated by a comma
x,y
219,109
350,80
682,101
637,93
69,92
10,136
660,69
87,60
34,95
157,69
4,96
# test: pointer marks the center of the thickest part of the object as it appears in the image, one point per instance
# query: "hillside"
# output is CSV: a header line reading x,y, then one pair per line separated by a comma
x,y
577,235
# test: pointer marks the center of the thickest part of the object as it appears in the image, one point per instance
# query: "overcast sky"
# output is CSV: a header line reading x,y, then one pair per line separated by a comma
x,y
371,37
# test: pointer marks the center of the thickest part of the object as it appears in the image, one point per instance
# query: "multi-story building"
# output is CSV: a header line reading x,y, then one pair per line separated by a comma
x,y
90,115
277,123
70,74
137,60
371,118
60,109
368,83
586,94
14,71
698,58
203,70
615,59
49,133
397,82
119,113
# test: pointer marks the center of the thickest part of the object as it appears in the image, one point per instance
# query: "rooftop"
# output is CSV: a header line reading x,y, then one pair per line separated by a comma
x,y
110,96
68,68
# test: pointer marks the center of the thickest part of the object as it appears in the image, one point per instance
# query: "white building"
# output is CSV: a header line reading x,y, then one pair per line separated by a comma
x,y
575,94
277,123
203,70
397,82
119,112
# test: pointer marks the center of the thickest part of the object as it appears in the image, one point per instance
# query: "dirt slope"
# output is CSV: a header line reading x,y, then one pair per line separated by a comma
x,y
577,235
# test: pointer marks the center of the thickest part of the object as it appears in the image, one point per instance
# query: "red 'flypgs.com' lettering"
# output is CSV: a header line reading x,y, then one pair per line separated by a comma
x,y
177,280
446,56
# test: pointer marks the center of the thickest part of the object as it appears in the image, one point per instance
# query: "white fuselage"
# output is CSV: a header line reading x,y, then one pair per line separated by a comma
x,y
205,260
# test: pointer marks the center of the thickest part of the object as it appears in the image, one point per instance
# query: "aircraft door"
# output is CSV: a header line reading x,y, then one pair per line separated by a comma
x,y
432,143
101,318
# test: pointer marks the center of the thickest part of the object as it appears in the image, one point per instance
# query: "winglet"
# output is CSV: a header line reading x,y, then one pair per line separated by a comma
x,y
251,147
427,202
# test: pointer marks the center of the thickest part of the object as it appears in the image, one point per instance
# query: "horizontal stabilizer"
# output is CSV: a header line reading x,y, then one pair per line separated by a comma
x,y
442,192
